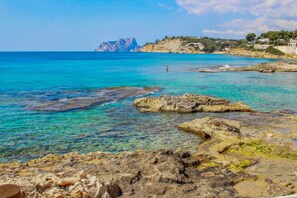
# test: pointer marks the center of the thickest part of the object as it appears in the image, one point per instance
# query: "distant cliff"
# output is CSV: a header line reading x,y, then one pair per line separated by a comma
x,y
173,45
121,45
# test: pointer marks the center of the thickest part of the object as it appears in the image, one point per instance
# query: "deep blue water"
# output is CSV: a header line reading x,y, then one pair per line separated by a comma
x,y
118,126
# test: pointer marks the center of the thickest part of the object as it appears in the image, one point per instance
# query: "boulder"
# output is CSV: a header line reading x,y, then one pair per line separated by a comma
x,y
208,127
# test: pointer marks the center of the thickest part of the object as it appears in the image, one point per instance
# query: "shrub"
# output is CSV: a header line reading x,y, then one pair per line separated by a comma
x,y
274,51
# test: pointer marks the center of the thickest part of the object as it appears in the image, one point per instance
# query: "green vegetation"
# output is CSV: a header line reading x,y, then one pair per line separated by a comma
x,y
212,44
251,37
256,147
279,37
274,51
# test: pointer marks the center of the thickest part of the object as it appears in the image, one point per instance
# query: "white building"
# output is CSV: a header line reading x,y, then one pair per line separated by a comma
x,y
261,47
291,48
293,43
200,45
264,40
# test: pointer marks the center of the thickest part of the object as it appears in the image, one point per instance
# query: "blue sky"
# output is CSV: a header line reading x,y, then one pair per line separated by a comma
x,y
79,25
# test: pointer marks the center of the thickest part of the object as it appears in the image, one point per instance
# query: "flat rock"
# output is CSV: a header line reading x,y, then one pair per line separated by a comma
x,y
189,103
207,127
137,174
65,100
263,67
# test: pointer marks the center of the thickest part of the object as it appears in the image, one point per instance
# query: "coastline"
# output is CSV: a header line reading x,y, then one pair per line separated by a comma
x,y
234,52
239,148
240,152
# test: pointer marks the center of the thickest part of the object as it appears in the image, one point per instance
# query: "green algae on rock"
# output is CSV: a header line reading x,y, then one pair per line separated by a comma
x,y
229,145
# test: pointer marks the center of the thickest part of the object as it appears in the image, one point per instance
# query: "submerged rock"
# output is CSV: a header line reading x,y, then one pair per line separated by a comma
x,y
189,103
263,67
231,162
69,100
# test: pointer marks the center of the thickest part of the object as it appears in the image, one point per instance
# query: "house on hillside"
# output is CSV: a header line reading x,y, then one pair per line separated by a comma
x,y
199,45
291,48
261,46
264,40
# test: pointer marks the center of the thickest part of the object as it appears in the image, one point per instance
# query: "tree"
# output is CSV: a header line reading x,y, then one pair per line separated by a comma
x,y
251,37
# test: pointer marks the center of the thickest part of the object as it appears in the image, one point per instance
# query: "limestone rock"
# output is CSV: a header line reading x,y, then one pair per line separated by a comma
x,y
121,45
263,67
189,103
66,100
207,127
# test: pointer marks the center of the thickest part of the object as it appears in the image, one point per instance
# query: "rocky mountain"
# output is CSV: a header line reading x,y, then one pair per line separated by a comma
x,y
121,45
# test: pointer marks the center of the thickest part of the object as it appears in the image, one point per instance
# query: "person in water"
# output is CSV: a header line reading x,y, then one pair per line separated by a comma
x,y
167,69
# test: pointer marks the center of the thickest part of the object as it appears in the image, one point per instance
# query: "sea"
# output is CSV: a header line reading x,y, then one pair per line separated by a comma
x,y
118,126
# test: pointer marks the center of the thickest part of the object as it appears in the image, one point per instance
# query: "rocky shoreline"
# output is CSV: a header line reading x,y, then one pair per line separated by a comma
x,y
246,154
263,68
256,54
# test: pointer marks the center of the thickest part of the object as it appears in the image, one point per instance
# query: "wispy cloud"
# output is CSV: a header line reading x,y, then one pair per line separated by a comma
x,y
225,32
267,14
270,8
165,6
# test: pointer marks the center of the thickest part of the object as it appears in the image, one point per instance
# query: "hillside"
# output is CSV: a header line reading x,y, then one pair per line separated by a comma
x,y
170,45
189,44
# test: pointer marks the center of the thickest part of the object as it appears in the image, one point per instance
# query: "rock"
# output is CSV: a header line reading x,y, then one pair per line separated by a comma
x,y
59,101
208,174
172,45
106,195
113,189
269,135
44,182
121,45
207,127
232,162
189,103
77,194
263,67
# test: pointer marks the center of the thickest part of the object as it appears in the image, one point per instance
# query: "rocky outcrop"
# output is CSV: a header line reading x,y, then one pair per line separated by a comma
x,y
170,45
251,150
136,174
66,100
235,160
257,54
121,45
207,127
189,103
263,67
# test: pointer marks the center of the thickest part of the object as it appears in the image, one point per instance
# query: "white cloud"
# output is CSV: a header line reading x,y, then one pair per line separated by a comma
x,y
261,24
270,8
267,14
228,32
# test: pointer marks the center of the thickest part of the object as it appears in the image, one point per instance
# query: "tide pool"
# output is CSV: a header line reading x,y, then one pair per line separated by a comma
x,y
118,126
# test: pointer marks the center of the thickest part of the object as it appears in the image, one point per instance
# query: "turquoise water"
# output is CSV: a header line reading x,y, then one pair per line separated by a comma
x,y
118,126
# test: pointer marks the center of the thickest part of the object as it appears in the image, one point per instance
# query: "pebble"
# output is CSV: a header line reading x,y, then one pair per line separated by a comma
x,y
269,135
208,174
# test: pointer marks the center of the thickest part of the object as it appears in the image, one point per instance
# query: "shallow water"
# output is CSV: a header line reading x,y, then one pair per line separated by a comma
x,y
118,126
